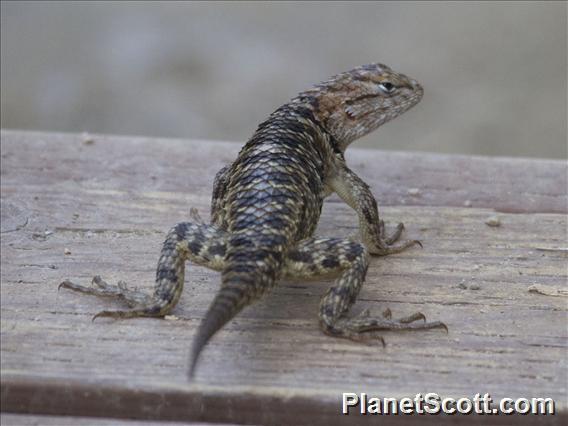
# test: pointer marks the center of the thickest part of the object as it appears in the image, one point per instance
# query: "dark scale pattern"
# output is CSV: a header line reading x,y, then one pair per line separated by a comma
x,y
266,205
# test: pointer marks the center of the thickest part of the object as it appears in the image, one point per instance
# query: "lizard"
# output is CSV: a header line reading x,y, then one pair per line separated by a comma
x,y
265,209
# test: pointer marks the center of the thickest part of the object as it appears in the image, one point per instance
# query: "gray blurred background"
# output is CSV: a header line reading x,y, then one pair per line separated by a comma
x,y
494,73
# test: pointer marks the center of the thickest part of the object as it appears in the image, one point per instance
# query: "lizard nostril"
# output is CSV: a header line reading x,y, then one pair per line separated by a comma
x,y
416,87
415,84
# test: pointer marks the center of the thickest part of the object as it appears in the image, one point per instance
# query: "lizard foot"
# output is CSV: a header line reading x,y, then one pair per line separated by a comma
x,y
144,304
385,243
362,327
384,248
390,240
371,336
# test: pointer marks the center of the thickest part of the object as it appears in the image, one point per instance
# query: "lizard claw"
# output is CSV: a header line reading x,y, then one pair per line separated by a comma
x,y
444,326
414,317
367,338
194,214
64,284
100,315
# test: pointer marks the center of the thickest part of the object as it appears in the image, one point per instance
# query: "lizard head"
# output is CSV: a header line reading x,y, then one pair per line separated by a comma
x,y
354,103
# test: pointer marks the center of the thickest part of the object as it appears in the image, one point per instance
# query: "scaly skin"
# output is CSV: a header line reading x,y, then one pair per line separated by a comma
x,y
266,206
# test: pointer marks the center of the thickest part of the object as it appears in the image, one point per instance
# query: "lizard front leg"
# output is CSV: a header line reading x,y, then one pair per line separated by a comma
x,y
202,244
348,261
357,194
220,184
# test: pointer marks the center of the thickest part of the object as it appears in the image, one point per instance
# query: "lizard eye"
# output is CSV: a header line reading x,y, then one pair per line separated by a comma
x,y
387,87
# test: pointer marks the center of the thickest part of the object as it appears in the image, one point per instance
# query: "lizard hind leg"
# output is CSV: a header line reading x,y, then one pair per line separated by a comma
x,y
198,242
331,257
348,261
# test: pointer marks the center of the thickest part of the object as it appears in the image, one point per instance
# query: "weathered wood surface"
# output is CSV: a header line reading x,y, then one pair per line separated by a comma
x,y
109,204
31,420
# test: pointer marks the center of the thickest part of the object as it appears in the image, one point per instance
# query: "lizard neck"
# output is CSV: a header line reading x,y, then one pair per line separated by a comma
x,y
319,114
302,114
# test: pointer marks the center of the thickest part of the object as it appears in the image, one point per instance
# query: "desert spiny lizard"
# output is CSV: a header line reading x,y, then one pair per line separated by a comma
x,y
266,206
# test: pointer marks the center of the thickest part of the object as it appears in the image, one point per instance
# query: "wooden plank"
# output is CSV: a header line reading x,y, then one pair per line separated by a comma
x,y
170,167
31,420
110,203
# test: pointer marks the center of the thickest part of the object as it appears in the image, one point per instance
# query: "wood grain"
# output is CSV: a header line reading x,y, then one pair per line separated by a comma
x,y
109,204
31,420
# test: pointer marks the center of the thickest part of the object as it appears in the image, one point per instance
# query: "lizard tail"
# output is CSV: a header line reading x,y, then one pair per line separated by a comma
x,y
250,271
224,307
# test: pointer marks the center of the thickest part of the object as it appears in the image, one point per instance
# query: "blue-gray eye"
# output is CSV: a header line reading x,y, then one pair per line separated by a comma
x,y
387,87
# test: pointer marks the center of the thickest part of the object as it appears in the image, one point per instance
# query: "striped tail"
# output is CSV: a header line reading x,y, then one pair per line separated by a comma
x,y
252,268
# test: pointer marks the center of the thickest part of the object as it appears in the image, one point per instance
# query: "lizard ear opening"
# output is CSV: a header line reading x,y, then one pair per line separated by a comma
x,y
359,109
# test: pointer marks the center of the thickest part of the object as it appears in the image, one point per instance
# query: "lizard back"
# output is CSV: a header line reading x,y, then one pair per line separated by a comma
x,y
273,199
